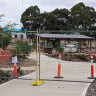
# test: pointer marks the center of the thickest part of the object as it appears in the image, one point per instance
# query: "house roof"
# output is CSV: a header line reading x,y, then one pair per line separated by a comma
x,y
65,36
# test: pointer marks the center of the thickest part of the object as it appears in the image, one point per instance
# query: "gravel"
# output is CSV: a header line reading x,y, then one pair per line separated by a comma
x,y
92,89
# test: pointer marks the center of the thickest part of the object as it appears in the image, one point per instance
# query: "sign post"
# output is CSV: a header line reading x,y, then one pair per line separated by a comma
x,y
15,61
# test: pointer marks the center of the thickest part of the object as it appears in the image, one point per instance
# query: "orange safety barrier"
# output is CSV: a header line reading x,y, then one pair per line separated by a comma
x,y
15,70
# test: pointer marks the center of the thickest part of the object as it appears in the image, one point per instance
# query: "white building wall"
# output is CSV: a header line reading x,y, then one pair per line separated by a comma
x,y
19,34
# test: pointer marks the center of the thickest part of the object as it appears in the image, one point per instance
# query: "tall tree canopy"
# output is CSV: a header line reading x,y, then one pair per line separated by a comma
x,y
80,17
55,20
62,16
30,18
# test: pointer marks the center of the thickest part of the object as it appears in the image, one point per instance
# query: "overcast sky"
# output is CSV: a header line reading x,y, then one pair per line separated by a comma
x,y
14,8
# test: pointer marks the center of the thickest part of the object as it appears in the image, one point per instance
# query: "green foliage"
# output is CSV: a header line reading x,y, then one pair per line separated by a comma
x,y
57,45
80,17
50,45
62,16
10,26
82,57
5,40
61,50
21,48
84,43
33,47
32,18
31,15
19,71
2,15
58,48
4,75
94,58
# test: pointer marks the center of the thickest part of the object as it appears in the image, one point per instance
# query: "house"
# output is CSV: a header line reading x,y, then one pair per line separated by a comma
x,y
17,34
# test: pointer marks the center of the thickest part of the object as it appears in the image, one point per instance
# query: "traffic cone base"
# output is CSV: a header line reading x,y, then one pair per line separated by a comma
x,y
58,77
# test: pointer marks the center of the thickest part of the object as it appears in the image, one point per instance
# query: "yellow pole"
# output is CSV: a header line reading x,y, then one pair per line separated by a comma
x,y
37,82
37,58
39,53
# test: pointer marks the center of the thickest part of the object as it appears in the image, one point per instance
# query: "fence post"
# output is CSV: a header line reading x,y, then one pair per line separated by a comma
x,y
38,82
59,67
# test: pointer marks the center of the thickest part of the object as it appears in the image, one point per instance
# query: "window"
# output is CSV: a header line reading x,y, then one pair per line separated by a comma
x,y
15,36
21,36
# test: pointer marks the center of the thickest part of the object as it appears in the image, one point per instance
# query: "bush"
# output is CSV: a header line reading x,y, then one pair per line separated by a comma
x,y
21,48
50,45
82,57
94,58
61,50
19,71
33,47
4,75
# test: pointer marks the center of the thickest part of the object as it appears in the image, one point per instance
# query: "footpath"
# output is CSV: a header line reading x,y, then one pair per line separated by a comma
x,y
50,88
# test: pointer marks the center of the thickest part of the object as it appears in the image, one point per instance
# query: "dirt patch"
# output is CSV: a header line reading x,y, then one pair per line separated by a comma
x,y
26,66
21,63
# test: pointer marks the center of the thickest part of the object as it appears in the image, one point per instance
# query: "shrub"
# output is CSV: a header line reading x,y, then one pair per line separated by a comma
x,y
33,47
21,48
82,57
4,75
50,45
94,58
61,50
19,71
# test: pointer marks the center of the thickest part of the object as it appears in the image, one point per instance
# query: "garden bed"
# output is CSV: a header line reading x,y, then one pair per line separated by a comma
x,y
24,67
71,57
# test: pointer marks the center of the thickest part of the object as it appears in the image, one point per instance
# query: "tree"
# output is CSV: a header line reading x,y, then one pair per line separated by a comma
x,y
30,18
55,20
21,48
2,15
92,14
5,39
62,16
49,21
82,17
10,26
